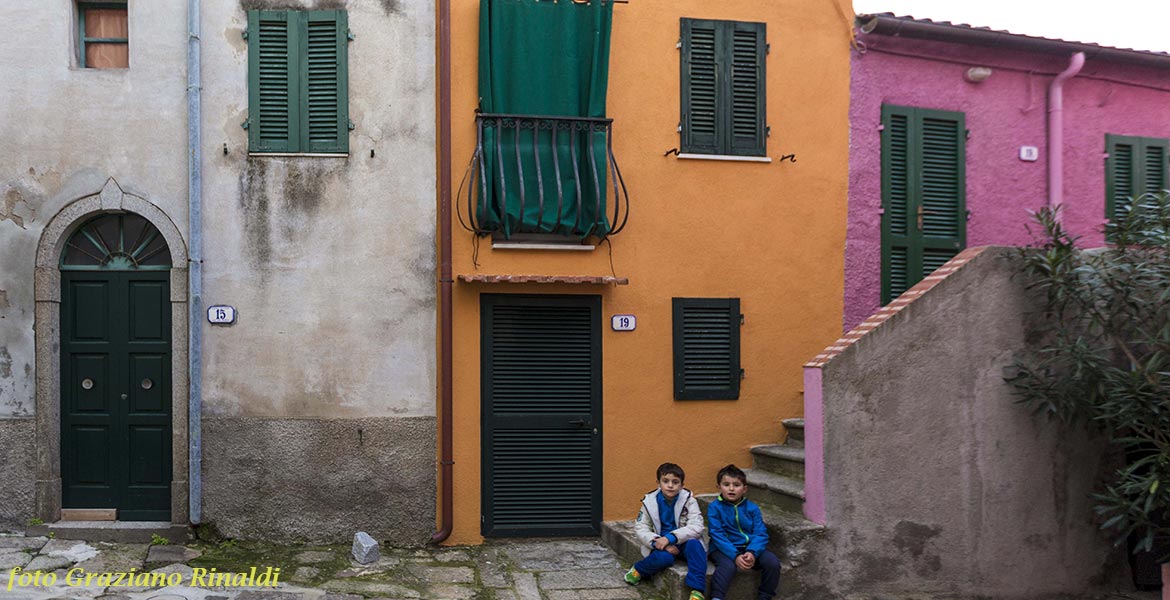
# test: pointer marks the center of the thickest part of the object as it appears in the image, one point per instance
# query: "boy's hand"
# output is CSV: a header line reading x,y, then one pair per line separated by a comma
x,y
672,549
745,561
660,543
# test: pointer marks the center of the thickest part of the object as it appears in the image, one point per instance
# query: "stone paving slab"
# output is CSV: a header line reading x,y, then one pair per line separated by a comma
x,y
22,543
626,593
48,563
171,554
113,557
431,574
582,579
370,587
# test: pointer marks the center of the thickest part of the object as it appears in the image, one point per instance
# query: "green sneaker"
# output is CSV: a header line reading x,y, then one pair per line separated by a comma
x,y
697,595
633,577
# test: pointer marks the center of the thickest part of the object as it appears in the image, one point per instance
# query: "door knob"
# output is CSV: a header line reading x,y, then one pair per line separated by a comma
x,y
125,396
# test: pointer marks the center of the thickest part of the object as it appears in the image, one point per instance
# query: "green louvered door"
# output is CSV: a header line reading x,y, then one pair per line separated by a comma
x,y
116,392
924,213
541,415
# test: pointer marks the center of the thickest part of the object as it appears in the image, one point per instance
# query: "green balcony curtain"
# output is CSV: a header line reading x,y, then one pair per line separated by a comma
x,y
547,58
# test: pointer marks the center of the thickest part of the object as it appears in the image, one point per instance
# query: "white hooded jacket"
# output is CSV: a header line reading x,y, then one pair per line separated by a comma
x,y
687,517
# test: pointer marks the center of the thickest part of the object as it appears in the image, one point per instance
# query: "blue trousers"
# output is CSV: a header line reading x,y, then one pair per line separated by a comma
x,y
695,556
725,569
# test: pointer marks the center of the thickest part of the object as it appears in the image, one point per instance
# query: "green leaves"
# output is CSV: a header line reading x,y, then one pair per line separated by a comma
x,y
1104,354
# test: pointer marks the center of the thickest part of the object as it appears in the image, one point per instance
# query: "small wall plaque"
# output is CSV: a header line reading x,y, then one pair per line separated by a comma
x,y
221,315
1029,153
624,322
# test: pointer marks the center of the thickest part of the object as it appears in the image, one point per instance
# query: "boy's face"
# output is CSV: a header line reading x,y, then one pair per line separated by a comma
x,y
732,488
669,484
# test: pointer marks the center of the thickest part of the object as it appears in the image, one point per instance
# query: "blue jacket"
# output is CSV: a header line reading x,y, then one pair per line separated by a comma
x,y
736,528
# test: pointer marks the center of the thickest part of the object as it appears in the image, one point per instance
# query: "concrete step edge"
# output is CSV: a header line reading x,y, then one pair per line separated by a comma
x,y
789,453
789,486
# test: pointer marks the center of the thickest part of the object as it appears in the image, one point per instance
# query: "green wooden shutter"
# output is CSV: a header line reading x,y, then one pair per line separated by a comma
x,y
706,348
325,80
273,81
923,194
943,221
896,202
700,87
1121,181
1135,166
746,76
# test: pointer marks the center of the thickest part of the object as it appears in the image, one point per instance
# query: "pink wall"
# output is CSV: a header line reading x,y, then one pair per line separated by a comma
x,y
1006,111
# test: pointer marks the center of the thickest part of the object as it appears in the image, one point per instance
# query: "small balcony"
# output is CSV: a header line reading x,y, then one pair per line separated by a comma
x,y
544,175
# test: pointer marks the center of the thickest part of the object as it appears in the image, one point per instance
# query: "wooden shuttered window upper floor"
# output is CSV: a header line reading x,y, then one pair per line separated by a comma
x,y
1134,166
722,84
924,188
298,79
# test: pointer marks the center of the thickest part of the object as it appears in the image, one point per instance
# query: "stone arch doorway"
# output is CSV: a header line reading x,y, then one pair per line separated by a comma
x,y
132,247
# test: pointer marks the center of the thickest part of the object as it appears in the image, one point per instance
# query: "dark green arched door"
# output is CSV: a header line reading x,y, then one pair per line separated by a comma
x,y
116,369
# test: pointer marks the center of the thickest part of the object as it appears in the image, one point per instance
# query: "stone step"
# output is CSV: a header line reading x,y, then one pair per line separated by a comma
x,y
782,460
620,536
783,492
125,532
794,429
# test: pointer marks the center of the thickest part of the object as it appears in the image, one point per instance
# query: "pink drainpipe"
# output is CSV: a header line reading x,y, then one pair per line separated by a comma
x,y
1056,132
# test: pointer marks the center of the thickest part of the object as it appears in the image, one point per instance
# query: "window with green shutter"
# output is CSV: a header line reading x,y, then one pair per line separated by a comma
x,y
924,211
706,348
298,99
1133,166
723,81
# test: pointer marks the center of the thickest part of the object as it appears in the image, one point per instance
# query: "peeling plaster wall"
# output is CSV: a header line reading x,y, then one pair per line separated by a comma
x,y
1006,111
66,131
936,481
329,261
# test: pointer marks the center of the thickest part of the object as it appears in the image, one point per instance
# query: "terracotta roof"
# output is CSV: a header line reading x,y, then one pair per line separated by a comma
x,y
585,279
908,26
906,299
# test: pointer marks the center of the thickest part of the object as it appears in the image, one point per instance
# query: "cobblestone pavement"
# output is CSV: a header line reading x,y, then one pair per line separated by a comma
x,y
558,569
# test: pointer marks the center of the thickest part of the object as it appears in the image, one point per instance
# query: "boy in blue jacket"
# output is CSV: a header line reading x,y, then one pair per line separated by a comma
x,y
738,536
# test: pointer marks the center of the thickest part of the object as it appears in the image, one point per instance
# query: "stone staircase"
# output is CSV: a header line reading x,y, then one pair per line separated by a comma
x,y
776,483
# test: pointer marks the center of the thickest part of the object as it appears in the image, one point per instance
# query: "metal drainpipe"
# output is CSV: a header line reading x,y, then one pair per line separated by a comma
x,y
446,463
1056,133
195,268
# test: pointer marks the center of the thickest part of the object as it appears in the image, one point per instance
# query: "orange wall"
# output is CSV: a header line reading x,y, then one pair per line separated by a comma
x,y
772,235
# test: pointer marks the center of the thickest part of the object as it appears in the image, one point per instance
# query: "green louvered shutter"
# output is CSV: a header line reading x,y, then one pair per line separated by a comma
x,y
706,348
1121,181
700,91
723,81
324,78
541,415
923,194
895,201
1154,166
746,76
273,82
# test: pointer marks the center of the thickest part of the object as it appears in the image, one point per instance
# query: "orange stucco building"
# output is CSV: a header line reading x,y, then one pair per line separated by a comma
x,y
766,228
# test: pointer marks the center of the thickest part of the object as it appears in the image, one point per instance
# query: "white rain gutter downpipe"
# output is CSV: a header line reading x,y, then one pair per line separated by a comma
x,y
194,269
1056,133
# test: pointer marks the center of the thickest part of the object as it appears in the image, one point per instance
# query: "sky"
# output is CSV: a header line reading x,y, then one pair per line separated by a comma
x,y
1137,24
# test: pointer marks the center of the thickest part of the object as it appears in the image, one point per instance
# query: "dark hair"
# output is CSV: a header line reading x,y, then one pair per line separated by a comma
x,y
672,469
731,471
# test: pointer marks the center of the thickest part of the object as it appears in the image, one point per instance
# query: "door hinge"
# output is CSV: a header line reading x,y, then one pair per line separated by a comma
x,y
350,124
245,123
742,374
349,35
767,131
767,48
741,319
244,34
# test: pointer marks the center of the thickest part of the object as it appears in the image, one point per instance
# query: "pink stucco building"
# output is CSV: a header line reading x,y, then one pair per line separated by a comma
x,y
953,137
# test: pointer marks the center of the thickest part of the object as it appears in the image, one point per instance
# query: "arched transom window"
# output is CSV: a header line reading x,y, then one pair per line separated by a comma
x,y
116,242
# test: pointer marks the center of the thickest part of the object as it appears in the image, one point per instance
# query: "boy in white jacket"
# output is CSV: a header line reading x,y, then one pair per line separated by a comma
x,y
670,525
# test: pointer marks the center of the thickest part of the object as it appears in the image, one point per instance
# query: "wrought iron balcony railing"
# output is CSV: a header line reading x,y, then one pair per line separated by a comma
x,y
544,174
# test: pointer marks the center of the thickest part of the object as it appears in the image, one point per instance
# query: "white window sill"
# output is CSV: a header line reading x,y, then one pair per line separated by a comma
x,y
532,246
727,157
312,154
